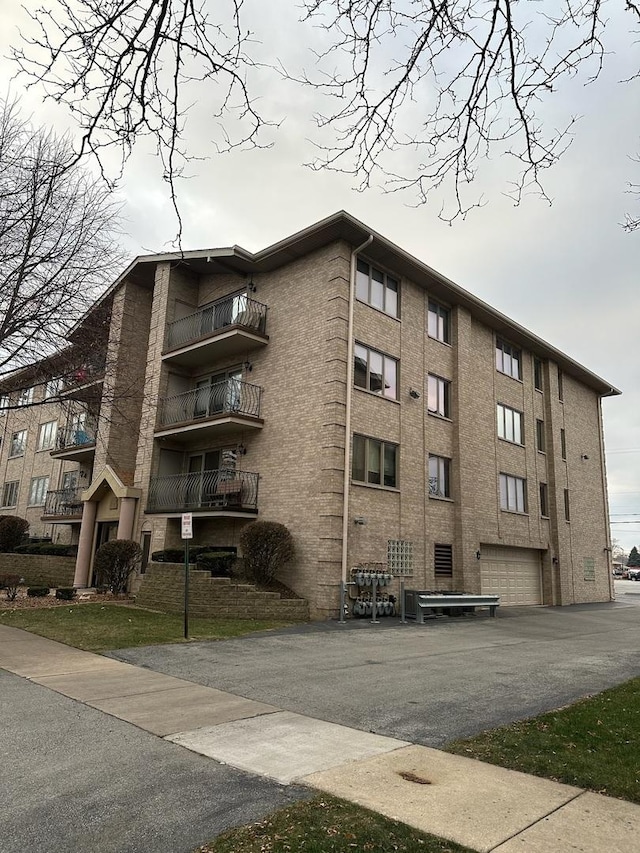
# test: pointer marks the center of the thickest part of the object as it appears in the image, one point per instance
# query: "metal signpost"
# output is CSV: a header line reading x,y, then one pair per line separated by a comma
x,y
187,533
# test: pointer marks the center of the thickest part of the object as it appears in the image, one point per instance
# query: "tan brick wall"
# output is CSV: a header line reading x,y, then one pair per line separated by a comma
x,y
39,570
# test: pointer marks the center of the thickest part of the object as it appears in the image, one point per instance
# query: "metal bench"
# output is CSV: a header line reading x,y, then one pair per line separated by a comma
x,y
418,603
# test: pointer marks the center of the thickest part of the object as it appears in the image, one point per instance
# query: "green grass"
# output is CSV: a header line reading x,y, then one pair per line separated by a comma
x,y
99,627
594,744
328,825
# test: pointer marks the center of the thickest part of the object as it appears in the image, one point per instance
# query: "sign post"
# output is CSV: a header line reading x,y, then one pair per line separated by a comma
x,y
187,533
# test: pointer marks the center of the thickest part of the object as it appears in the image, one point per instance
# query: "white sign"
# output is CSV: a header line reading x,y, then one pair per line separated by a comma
x,y
187,525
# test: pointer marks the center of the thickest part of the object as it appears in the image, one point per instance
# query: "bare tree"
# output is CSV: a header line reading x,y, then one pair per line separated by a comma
x,y
57,241
421,92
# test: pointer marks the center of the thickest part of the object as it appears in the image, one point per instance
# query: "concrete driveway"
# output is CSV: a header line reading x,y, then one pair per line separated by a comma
x,y
427,684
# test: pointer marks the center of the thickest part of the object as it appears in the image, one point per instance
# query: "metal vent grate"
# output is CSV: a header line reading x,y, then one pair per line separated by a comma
x,y
443,560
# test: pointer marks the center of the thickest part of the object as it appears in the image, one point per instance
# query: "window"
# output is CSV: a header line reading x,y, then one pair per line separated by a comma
x,y
375,372
10,493
513,493
537,373
508,359
443,561
38,490
567,510
439,477
25,397
374,461
377,288
560,386
18,443
5,402
510,424
52,388
540,435
563,444
47,435
439,323
544,500
439,396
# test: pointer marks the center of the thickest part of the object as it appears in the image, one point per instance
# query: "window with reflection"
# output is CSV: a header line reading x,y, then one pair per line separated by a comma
x,y
374,371
374,461
377,289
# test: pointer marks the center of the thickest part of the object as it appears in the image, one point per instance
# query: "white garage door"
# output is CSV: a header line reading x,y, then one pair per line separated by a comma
x,y
512,573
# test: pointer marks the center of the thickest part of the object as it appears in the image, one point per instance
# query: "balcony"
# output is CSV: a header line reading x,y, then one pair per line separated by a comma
x,y
208,411
75,444
211,493
231,326
63,506
85,382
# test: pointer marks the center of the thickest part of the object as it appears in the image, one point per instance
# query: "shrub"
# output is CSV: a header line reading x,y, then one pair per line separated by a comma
x,y
219,563
47,548
38,591
266,546
12,530
11,584
65,593
115,561
176,555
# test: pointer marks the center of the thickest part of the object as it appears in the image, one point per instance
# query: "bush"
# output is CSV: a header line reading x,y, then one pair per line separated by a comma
x,y
11,584
115,561
219,563
12,530
65,593
38,591
266,546
176,555
47,548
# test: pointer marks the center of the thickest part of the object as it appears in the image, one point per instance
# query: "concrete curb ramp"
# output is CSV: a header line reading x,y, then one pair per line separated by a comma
x,y
484,807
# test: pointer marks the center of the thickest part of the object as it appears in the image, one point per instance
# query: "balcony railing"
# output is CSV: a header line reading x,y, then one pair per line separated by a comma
x,y
71,437
232,311
84,374
63,502
221,489
230,397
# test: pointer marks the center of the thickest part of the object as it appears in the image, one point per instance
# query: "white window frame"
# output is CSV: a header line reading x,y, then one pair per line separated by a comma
x,y
439,322
25,397
5,403
508,359
513,494
52,388
510,426
438,396
439,476
38,489
386,359
12,493
18,448
47,435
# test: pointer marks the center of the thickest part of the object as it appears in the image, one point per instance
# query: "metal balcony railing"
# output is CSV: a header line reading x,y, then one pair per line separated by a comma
x,y
230,397
65,502
75,436
84,374
223,488
232,311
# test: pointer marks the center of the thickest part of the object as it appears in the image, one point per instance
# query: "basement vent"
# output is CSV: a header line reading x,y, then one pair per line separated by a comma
x,y
443,560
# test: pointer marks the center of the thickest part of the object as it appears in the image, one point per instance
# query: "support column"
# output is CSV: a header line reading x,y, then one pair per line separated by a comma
x,y
83,560
127,514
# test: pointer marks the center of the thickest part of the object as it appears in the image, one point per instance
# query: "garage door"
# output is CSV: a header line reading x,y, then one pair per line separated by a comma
x,y
512,573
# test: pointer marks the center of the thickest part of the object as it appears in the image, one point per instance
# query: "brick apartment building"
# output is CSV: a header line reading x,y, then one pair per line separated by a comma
x,y
224,383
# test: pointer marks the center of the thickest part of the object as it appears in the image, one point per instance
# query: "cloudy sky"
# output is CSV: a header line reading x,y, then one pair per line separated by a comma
x,y
567,271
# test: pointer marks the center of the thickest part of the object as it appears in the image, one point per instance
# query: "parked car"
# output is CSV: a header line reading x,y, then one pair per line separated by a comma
x,y
634,574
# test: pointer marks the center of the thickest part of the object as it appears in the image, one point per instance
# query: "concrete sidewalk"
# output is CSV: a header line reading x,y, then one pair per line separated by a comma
x,y
484,807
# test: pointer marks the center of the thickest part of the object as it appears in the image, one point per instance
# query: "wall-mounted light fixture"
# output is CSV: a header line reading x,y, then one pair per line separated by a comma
x,y
414,394
241,450
584,457
359,519
251,287
248,366
478,554
555,561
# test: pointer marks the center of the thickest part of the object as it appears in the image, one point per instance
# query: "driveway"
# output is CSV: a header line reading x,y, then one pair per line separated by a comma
x,y
429,683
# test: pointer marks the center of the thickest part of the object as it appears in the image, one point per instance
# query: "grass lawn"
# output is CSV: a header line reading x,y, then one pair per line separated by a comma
x,y
328,825
99,627
593,744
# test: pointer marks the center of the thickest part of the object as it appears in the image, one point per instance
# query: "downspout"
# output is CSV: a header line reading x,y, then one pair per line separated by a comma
x,y
347,424
605,493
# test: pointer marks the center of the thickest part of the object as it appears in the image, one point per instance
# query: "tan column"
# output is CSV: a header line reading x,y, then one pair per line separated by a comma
x,y
83,560
127,514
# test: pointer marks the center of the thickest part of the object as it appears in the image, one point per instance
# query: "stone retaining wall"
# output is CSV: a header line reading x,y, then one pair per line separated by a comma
x,y
39,569
162,588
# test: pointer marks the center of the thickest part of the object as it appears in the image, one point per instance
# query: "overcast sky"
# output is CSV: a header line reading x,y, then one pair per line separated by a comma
x,y
567,271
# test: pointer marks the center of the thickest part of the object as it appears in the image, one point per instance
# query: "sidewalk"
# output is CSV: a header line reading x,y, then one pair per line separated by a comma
x,y
484,807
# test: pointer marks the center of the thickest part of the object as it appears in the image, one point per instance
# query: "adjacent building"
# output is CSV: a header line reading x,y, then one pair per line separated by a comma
x,y
336,384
